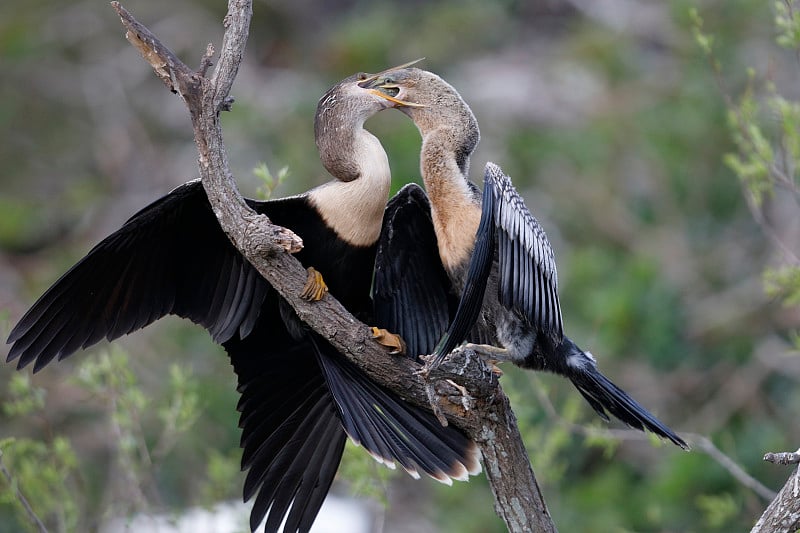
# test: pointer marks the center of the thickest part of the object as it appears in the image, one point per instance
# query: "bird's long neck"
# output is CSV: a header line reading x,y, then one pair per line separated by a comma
x,y
353,204
455,203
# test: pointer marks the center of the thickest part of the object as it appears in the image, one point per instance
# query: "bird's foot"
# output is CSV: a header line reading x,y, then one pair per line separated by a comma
x,y
315,287
491,355
460,397
463,398
390,340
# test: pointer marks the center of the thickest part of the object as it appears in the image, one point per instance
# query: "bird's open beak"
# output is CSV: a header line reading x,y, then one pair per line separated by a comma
x,y
403,103
382,88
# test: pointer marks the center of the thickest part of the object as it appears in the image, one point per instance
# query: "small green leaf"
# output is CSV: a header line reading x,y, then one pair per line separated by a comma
x,y
783,283
269,182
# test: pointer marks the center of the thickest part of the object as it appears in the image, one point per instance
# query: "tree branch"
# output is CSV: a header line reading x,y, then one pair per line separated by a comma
x,y
783,514
485,415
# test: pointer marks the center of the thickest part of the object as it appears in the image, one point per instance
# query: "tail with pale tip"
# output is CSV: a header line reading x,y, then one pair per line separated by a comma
x,y
393,431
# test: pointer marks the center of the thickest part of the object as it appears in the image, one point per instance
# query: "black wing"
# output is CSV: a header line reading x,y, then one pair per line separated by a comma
x,y
480,266
299,397
527,266
527,270
169,258
411,292
292,436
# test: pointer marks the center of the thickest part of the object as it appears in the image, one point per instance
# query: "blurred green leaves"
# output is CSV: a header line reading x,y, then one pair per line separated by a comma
x,y
38,477
43,474
752,162
364,475
787,24
144,430
783,283
24,398
718,510
268,182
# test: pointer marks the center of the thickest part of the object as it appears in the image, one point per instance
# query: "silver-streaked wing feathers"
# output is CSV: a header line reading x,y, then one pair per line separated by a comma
x,y
527,266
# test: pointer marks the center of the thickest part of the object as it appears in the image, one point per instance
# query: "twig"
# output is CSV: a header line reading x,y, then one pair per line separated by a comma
x,y
133,485
489,422
783,458
780,177
21,497
698,441
704,443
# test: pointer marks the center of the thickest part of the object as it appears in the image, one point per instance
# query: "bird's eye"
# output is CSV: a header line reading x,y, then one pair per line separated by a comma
x,y
388,80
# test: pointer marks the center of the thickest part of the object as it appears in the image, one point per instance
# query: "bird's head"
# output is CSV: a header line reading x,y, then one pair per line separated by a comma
x,y
426,98
339,121
348,102
436,108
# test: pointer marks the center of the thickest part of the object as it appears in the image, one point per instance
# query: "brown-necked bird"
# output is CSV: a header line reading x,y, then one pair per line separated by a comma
x,y
299,396
494,252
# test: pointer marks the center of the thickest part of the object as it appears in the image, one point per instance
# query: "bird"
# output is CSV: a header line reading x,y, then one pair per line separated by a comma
x,y
299,397
494,252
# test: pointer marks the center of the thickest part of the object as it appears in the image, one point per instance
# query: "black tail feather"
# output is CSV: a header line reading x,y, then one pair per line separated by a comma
x,y
605,397
391,430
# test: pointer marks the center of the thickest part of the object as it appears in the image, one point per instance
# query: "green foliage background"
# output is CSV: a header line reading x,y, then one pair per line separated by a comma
x,y
612,124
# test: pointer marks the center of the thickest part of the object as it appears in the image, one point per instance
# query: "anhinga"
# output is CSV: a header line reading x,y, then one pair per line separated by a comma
x,y
509,282
299,396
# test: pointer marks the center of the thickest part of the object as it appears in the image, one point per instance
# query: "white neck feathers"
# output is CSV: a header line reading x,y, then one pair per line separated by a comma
x,y
354,209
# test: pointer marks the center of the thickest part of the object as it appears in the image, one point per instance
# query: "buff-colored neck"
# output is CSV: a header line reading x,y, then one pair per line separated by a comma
x,y
455,209
354,209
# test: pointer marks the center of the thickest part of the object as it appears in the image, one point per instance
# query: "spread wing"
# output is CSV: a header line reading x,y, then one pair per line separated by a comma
x,y
411,291
527,266
169,258
292,436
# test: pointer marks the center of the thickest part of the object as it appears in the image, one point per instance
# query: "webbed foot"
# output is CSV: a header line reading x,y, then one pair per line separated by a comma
x,y
315,287
390,340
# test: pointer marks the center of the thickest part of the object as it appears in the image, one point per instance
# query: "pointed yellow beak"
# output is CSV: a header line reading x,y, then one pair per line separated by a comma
x,y
392,98
372,82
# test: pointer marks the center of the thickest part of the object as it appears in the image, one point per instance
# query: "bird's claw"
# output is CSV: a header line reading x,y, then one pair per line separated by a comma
x,y
463,399
315,287
431,363
390,340
493,367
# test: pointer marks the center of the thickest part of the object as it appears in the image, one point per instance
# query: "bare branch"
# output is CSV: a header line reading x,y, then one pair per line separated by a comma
x,y
165,63
705,444
783,514
485,416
